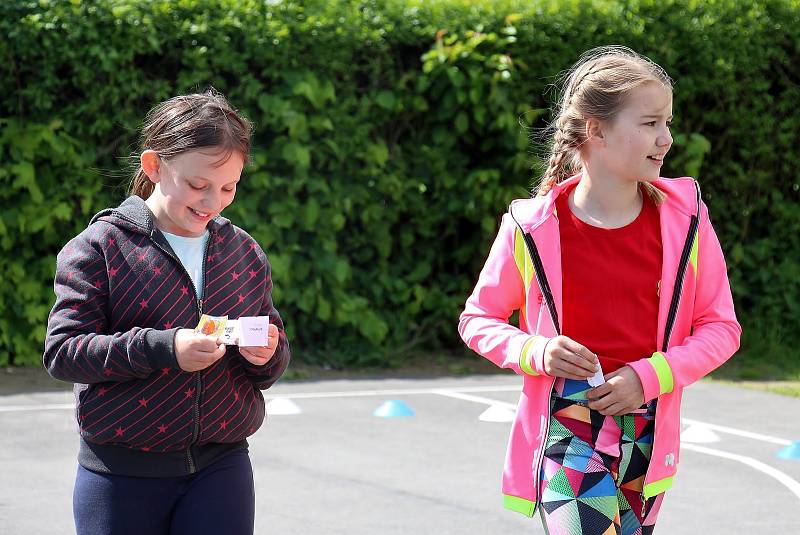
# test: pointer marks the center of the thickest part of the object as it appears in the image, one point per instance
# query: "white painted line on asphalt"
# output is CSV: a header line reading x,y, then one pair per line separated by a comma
x,y
699,434
784,479
738,432
477,399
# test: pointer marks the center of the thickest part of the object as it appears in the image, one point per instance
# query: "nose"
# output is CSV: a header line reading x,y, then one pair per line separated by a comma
x,y
212,201
665,138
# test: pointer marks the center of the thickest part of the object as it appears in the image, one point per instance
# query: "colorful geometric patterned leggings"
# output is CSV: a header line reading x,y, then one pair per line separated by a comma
x,y
594,466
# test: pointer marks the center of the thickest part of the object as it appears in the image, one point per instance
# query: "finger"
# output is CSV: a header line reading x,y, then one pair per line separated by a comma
x,y
580,350
599,392
570,371
602,404
218,353
610,375
206,343
618,409
255,351
613,410
258,360
272,330
580,365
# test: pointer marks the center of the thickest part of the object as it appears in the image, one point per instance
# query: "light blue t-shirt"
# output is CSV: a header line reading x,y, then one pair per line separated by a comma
x,y
190,252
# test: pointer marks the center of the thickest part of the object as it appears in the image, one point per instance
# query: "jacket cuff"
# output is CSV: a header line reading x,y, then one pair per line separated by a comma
x,y
531,358
159,346
655,375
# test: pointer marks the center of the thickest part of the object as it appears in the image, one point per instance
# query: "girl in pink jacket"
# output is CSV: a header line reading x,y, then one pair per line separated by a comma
x,y
623,300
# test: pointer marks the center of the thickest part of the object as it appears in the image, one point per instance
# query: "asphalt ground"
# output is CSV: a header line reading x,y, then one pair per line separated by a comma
x,y
334,468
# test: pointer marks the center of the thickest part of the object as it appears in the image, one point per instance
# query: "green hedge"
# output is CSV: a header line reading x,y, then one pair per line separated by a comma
x,y
389,138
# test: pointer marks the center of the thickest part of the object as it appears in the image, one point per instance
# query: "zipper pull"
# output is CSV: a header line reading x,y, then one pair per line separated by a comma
x,y
200,306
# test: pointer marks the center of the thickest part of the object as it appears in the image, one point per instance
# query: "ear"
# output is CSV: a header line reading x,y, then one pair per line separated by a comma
x,y
594,131
151,165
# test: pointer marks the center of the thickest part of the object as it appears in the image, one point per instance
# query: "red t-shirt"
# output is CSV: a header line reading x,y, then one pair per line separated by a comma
x,y
611,284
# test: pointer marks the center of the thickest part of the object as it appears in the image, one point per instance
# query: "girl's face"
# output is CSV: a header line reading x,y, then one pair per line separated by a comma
x,y
636,141
191,188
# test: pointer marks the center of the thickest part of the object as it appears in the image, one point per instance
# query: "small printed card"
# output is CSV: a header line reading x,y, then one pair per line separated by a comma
x,y
247,331
253,331
231,335
211,325
597,379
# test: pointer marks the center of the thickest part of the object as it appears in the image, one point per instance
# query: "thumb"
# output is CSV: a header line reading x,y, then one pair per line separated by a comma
x,y
208,343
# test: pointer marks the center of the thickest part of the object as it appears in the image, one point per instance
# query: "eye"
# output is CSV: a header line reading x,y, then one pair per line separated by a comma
x,y
194,187
669,124
651,123
229,190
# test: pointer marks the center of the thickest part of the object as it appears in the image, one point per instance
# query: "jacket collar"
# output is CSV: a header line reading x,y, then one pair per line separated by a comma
x,y
682,195
134,214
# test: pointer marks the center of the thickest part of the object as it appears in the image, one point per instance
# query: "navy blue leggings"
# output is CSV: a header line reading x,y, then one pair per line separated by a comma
x,y
218,499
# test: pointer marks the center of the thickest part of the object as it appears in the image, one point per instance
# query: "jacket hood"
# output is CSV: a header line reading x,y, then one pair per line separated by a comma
x,y
134,214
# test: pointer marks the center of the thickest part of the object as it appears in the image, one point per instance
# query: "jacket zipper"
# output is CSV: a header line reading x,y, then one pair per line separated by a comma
x,y
198,376
544,286
673,308
677,293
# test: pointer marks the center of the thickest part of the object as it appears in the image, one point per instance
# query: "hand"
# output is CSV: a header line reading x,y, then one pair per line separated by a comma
x,y
564,357
622,393
259,356
196,351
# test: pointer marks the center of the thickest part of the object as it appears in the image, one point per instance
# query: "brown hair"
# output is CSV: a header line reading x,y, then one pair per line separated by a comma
x,y
595,87
191,122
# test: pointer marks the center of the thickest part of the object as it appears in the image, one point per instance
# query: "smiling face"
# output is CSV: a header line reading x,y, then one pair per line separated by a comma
x,y
638,138
191,188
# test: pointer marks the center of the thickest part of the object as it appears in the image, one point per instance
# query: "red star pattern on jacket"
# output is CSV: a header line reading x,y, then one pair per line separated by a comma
x,y
125,284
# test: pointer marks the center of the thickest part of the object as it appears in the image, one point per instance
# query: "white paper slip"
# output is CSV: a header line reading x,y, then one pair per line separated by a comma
x,y
230,336
253,331
597,379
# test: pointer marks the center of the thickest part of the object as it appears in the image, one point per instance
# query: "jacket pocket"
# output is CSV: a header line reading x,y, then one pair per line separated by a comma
x,y
152,414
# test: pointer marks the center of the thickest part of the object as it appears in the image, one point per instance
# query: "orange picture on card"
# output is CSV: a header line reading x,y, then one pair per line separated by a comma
x,y
211,325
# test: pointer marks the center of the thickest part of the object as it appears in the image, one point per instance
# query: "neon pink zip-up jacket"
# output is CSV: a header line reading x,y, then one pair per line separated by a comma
x,y
700,333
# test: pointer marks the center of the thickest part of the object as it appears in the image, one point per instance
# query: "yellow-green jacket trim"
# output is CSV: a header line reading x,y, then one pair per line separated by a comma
x,y
666,382
657,487
520,505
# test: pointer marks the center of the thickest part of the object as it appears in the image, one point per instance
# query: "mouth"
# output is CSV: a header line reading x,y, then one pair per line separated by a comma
x,y
657,159
203,216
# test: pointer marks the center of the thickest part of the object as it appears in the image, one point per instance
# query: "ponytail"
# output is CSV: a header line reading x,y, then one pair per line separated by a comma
x,y
555,165
655,194
141,184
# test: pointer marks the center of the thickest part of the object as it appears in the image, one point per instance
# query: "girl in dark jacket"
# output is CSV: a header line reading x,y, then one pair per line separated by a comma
x,y
163,411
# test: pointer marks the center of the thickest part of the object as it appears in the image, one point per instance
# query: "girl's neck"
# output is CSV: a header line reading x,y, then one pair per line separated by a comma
x,y
607,203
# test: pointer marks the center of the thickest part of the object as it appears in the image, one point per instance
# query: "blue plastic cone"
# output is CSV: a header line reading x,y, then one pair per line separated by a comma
x,y
792,451
393,409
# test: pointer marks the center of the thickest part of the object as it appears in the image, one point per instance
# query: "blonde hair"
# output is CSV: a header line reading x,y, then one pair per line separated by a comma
x,y
191,122
595,87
